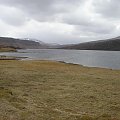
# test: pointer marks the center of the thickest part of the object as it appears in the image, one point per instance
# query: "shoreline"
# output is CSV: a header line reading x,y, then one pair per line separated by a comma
x,y
70,64
100,61
2,57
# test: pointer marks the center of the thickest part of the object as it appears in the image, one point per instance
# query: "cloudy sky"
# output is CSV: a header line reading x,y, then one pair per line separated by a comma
x,y
60,21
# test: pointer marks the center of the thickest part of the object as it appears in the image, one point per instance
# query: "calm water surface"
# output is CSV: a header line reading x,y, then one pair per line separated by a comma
x,y
104,59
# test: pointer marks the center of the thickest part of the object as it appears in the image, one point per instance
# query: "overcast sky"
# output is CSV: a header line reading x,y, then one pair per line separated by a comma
x,y
60,21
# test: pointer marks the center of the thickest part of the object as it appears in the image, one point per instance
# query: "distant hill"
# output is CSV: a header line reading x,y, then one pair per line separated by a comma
x,y
108,45
21,43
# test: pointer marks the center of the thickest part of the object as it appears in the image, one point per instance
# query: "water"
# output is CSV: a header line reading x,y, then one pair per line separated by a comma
x,y
103,59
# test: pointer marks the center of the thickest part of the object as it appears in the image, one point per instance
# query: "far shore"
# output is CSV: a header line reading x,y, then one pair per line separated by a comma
x,y
8,49
3,57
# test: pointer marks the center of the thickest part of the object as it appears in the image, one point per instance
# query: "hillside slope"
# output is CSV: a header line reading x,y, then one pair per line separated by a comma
x,y
109,44
18,43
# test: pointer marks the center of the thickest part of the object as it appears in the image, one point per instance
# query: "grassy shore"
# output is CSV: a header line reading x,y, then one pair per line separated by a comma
x,y
45,90
7,49
3,57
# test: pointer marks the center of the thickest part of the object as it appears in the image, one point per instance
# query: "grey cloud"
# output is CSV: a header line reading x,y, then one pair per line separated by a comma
x,y
89,18
91,24
107,8
76,19
98,27
43,9
12,16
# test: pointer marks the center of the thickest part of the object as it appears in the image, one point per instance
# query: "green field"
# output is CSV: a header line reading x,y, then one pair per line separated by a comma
x,y
46,90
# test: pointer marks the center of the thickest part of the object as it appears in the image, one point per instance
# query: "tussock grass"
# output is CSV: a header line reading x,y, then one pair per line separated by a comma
x,y
46,90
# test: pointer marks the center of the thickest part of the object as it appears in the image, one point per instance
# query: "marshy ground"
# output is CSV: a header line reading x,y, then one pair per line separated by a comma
x,y
46,90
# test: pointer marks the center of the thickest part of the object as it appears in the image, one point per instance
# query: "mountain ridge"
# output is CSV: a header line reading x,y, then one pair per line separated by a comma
x,y
21,43
112,44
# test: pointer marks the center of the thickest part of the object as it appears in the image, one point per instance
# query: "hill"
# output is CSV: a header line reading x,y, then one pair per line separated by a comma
x,y
21,43
108,45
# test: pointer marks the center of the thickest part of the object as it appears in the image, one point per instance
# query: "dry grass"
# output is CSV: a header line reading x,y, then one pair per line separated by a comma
x,y
8,49
44,90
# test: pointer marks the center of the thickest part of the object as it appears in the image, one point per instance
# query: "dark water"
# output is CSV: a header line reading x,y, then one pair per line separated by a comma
x,y
104,59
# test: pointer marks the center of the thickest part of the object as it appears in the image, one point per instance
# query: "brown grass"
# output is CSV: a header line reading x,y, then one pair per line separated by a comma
x,y
46,90
7,49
